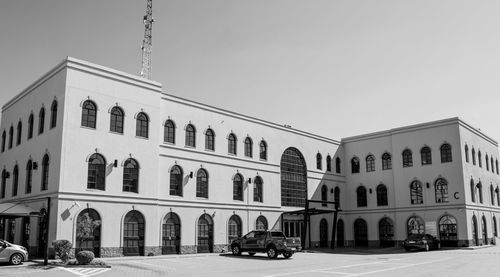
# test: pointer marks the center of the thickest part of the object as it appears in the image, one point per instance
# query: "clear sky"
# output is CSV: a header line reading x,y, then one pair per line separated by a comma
x,y
336,68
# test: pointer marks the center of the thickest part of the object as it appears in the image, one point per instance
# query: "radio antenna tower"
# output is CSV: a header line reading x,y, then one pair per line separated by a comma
x,y
147,43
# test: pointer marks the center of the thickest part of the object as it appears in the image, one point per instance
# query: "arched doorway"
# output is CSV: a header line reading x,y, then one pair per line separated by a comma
x,y
415,225
475,236
360,233
323,233
340,233
233,228
448,231
133,234
386,232
171,234
484,230
205,234
261,223
88,232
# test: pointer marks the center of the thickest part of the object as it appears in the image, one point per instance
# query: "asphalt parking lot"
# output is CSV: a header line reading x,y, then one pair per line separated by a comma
x,y
350,262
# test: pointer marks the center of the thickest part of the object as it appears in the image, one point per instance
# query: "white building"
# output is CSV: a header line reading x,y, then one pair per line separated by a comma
x,y
158,174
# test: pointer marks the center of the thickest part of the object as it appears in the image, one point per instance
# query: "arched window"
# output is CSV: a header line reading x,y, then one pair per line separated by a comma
x,y
45,172
169,132
407,158
202,183
479,159
386,232
415,225
355,165
448,231
496,166
231,144
445,153
205,234
337,165
472,191
258,189
473,156
209,140
176,180
131,176
386,161
88,231
11,136
486,161
323,233
41,120
361,196
416,193
171,234
53,114
4,183
336,196
360,232
441,190
324,195
116,120
31,121
492,194
480,192
466,153
29,176
370,163
142,125
97,172
190,135
19,132
495,230
328,163
263,150
382,195
261,223
293,178
238,187
15,181
319,161
3,141
234,228
426,155
248,147
133,234
340,233
491,162
484,228
89,114
497,192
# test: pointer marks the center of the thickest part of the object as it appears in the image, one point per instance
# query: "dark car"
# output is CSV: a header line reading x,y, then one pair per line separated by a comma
x,y
271,242
421,242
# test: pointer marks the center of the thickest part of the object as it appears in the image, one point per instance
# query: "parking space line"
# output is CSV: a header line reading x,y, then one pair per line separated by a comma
x,y
155,265
397,267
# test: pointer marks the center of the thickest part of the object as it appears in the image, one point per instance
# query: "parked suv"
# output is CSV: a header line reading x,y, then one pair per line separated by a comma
x,y
271,242
15,254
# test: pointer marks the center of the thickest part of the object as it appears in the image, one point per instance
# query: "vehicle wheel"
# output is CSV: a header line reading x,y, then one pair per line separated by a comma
x,y
236,250
426,247
16,259
251,253
287,255
271,252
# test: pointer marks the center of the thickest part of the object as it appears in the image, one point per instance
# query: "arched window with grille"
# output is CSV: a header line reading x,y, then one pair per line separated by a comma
x,y
382,195
479,158
19,132
445,153
337,165
472,191
133,234
142,125
492,194
492,164
466,149
496,166
426,155
176,176
473,156
41,120
480,192
370,163
441,190
4,136
361,196
248,147
328,163
263,150
319,161
169,132
258,190
355,165
234,228
336,196
190,135
11,136
116,120
416,192
4,184
324,195
415,225
386,232
231,144
407,158
261,223
210,140
96,178
29,177
131,176
15,180
497,193
31,122
486,161
448,231
386,161
202,183
45,172
293,178
238,187
53,114
495,227
89,114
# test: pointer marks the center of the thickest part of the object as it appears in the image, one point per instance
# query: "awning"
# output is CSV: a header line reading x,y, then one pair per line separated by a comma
x,y
16,210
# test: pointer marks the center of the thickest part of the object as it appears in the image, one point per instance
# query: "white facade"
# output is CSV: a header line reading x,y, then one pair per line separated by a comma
x,y
72,147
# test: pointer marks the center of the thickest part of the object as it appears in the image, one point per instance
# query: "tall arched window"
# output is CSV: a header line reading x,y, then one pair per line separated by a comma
x,y
445,153
472,191
15,181
386,232
41,120
261,223
473,156
496,166
210,139
89,114
319,161
382,195
248,147
360,232
407,158
142,125
231,144
495,230
4,136
11,136
370,163
133,234
19,132
337,165
497,193
4,184
202,183
29,177
258,189
416,193
485,230
355,165
480,192
479,158
293,178
448,231
426,155
466,148
171,234
361,196
234,228
176,180
238,187
131,176
324,195
492,194
190,135
116,120
486,161
169,132
441,190
97,172
88,231
205,234
31,122
263,150
53,114
336,196
386,161
328,163
415,225
491,162
45,172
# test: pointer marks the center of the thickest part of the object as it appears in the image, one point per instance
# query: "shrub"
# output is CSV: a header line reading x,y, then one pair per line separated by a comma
x,y
62,249
85,257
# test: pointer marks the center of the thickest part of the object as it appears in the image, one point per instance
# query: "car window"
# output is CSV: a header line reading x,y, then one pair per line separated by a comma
x,y
277,234
250,235
415,237
260,235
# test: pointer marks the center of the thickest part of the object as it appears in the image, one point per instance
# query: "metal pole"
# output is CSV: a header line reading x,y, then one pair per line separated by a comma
x,y
304,229
334,231
46,237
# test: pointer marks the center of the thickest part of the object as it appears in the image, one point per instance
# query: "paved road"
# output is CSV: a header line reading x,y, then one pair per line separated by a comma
x,y
350,263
